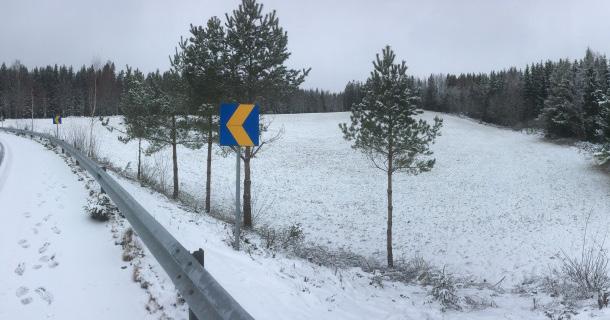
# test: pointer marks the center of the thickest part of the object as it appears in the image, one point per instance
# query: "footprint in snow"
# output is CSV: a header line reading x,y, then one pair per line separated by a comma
x,y
26,300
35,230
24,243
20,269
44,259
56,230
52,263
21,291
44,294
47,217
27,214
44,247
36,266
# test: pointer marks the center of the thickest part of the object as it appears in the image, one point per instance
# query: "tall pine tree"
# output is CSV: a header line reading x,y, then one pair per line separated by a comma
x,y
257,53
202,62
385,127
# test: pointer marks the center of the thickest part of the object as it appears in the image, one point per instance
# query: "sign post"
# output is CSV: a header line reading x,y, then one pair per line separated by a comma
x,y
57,122
239,127
237,231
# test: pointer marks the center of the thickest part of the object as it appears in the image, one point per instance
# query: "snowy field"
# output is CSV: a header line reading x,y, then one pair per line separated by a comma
x,y
67,266
498,204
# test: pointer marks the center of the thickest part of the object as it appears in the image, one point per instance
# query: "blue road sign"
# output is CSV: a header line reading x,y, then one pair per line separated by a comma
x,y
239,124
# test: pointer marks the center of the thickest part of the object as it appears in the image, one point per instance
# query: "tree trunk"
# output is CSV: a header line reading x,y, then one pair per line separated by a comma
x,y
139,159
208,181
174,158
247,206
390,208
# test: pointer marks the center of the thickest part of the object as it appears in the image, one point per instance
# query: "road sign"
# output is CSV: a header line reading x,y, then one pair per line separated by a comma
x,y
57,120
239,124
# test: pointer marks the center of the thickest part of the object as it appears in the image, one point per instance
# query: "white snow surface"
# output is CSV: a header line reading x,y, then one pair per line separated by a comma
x,y
498,204
55,262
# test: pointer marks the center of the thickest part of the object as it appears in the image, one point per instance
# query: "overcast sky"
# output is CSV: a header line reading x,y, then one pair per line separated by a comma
x,y
337,39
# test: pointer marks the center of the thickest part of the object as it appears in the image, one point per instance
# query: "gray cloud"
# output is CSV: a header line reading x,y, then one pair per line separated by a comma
x,y
338,39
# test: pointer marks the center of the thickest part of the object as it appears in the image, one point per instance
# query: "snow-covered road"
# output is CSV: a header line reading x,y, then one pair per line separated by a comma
x,y
55,262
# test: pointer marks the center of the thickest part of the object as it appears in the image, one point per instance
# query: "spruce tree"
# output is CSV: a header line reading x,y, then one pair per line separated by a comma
x,y
560,114
385,127
591,111
431,95
257,53
603,155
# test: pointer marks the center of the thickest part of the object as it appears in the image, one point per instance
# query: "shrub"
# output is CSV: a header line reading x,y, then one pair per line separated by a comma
x,y
100,207
603,155
79,137
444,290
589,272
289,237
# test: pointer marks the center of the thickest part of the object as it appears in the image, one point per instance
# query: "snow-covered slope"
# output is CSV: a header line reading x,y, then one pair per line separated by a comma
x,y
55,262
499,203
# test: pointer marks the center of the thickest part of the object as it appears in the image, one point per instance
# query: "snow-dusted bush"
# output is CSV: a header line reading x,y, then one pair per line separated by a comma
x,y
603,155
131,245
579,278
285,238
589,272
156,174
79,137
414,270
76,136
100,207
444,290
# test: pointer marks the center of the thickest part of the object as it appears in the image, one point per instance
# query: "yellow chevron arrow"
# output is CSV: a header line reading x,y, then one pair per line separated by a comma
x,y
235,124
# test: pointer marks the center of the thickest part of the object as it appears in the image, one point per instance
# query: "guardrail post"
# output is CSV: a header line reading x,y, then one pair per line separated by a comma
x,y
198,255
101,188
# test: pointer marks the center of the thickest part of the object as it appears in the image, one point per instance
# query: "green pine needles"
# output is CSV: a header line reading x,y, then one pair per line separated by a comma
x,y
385,126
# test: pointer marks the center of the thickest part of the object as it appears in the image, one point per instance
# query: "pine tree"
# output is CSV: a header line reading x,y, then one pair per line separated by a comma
x,y
385,128
258,51
134,106
168,123
202,62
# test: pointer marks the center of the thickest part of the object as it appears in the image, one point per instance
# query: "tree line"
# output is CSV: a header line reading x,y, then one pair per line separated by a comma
x,y
568,99
57,89
63,90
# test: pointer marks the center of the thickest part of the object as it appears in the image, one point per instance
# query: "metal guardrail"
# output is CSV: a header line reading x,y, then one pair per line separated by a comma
x,y
206,298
